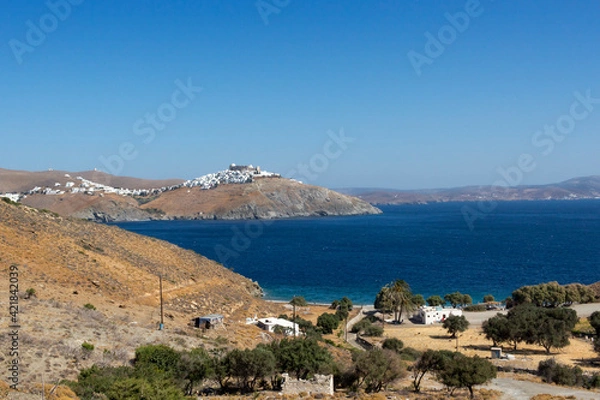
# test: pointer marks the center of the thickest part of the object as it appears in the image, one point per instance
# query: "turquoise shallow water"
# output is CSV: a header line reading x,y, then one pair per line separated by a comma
x,y
429,246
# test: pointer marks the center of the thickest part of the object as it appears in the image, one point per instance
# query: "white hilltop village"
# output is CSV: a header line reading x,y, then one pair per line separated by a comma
x,y
236,174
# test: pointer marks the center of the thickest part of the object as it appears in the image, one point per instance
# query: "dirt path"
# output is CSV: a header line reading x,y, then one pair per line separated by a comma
x,y
522,390
364,310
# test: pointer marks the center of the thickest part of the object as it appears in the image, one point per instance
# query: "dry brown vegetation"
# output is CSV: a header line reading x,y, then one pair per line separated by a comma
x,y
264,198
281,197
70,263
473,342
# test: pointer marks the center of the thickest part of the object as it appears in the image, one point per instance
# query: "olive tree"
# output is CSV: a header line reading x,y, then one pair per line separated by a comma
x,y
461,371
455,324
435,300
376,368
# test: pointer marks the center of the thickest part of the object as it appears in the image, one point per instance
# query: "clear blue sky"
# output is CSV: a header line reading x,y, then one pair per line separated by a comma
x,y
80,84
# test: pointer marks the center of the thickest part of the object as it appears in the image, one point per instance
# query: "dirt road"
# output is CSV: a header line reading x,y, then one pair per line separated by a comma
x,y
522,390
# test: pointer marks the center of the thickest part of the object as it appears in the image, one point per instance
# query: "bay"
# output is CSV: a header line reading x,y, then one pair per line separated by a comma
x,y
430,246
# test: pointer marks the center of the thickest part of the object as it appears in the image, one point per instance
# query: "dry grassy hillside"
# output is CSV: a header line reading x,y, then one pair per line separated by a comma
x,y
77,255
263,198
70,263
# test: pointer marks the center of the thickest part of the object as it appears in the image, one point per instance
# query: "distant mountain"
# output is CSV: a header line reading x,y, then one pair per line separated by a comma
x,y
237,193
572,189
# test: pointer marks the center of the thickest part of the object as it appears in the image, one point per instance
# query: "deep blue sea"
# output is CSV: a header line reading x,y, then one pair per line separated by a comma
x,y
429,246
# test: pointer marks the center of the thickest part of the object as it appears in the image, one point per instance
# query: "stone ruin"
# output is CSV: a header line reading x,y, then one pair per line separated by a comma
x,y
320,384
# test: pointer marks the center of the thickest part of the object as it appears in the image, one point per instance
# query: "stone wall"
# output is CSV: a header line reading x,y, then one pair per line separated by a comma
x,y
320,384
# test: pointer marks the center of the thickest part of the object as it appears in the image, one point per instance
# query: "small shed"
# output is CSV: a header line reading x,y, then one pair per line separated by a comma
x,y
208,321
496,352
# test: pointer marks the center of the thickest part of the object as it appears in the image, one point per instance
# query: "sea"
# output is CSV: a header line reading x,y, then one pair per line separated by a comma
x,y
430,246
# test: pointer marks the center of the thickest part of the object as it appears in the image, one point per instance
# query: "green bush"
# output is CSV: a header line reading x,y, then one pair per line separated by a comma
x,y
361,326
89,306
9,201
476,308
488,298
327,323
393,344
410,354
87,346
553,372
161,357
373,330
593,382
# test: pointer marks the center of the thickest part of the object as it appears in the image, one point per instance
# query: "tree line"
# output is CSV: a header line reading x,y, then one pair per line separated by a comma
x,y
160,372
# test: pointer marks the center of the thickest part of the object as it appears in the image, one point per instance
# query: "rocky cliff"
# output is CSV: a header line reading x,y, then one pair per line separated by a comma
x,y
91,196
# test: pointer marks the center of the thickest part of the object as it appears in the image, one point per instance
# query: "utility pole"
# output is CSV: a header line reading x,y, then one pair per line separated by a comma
x,y
346,333
162,321
294,315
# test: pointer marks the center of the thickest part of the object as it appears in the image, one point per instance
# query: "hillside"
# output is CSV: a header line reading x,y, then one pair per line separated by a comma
x,y
261,199
23,181
70,262
230,194
572,189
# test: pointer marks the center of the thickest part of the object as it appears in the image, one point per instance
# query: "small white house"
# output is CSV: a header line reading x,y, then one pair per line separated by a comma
x,y
429,315
270,325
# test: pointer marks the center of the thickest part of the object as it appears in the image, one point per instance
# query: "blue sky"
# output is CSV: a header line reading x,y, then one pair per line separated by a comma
x,y
81,81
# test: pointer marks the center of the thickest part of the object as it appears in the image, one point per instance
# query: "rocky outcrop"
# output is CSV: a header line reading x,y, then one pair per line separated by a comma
x,y
271,198
264,198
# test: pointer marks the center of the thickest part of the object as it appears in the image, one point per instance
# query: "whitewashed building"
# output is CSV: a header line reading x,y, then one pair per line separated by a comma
x,y
430,315
270,324
12,196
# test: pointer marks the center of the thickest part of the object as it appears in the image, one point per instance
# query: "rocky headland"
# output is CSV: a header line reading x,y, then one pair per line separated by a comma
x,y
240,192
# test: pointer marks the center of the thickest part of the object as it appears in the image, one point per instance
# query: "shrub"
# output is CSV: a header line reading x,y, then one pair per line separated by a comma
x,y
361,326
373,330
29,293
89,306
476,308
161,357
327,322
435,301
9,201
593,382
393,344
87,346
418,300
488,298
594,320
410,354
553,372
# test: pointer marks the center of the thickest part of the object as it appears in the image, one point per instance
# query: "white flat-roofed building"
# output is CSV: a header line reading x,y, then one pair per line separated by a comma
x,y
270,324
430,315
